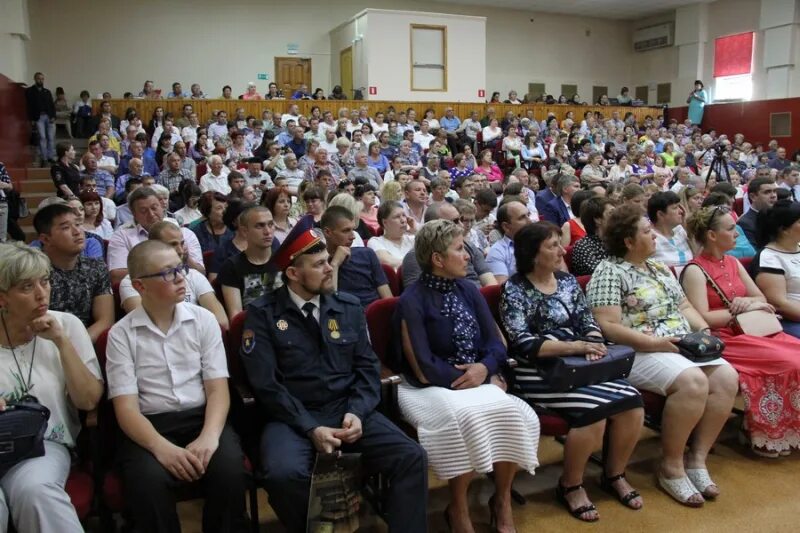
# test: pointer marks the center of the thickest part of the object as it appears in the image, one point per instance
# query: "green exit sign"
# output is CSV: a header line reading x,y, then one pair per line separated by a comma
x,y
262,76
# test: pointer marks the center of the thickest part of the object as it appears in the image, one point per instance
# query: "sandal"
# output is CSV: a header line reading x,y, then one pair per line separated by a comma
x,y
607,484
701,481
680,489
561,495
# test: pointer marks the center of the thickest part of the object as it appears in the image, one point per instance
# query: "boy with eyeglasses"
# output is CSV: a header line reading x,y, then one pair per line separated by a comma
x,y
167,378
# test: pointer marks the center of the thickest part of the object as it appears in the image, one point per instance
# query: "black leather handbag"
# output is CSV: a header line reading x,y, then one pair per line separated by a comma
x,y
22,428
700,347
573,371
23,423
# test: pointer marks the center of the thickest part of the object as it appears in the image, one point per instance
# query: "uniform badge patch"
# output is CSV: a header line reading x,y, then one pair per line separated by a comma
x,y
248,341
282,325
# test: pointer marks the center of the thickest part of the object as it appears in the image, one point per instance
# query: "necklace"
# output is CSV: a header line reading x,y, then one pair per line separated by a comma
x,y
27,385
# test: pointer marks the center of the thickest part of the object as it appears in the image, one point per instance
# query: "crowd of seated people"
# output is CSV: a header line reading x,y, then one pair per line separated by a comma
x,y
301,222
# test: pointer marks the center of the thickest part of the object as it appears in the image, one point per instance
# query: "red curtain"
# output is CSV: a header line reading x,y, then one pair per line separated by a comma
x,y
733,55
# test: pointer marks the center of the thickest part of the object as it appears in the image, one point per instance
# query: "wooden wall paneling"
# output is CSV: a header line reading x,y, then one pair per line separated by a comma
x,y
204,108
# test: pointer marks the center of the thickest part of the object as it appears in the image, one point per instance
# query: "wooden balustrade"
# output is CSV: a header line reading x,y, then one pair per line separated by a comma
x,y
204,108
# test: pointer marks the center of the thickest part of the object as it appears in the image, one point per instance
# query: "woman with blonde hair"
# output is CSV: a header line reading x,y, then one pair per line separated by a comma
x,y
48,354
691,200
391,191
452,356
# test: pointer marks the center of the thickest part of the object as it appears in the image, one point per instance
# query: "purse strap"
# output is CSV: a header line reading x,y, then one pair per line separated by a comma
x,y
713,285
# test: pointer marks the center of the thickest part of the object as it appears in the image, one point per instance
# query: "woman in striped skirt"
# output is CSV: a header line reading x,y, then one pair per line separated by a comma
x,y
454,393
542,310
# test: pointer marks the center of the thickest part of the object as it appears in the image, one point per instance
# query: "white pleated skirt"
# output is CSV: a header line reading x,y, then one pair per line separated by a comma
x,y
469,430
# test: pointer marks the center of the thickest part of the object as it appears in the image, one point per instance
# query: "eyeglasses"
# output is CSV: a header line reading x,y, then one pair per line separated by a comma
x,y
170,275
724,209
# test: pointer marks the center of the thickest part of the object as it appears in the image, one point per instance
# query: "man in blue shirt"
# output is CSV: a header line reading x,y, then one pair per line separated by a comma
x,y
285,136
355,270
137,151
450,123
298,142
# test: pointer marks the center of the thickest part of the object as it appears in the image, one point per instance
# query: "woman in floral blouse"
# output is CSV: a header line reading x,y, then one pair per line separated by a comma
x,y
639,303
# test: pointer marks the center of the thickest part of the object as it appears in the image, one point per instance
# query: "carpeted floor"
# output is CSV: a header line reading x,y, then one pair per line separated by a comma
x,y
757,495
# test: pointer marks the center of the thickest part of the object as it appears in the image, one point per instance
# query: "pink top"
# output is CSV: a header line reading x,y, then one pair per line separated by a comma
x,y
371,220
254,96
492,174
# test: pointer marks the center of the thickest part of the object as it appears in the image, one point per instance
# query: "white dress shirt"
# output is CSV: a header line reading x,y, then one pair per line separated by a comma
x,y
210,182
165,370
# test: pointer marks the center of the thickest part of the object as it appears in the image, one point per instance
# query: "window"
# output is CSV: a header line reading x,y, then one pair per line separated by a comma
x,y
664,93
642,93
569,90
733,67
535,90
428,58
597,92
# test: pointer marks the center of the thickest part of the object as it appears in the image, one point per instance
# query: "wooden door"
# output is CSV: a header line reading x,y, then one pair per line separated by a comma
x,y
346,71
291,73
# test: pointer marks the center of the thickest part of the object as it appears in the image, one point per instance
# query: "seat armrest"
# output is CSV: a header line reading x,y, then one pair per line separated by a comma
x,y
388,404
244,393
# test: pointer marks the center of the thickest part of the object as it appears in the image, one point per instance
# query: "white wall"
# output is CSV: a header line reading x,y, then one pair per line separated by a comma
x,y
117,44
352,33
14,36
389,60
724,17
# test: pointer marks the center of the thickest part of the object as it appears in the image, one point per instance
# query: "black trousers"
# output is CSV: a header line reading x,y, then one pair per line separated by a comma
x,y
287,459
149,488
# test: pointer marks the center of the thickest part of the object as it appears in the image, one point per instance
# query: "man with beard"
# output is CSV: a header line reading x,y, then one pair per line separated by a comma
x,y
307,355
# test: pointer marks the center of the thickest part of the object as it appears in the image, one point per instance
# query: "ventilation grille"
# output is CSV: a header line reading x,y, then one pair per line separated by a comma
x,y
780,124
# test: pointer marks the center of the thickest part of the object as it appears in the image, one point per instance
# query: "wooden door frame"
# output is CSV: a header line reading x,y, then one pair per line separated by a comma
x,y
352,76
295,58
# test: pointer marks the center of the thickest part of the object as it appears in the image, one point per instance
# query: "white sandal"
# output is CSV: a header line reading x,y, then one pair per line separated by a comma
x,y
680,489
701,481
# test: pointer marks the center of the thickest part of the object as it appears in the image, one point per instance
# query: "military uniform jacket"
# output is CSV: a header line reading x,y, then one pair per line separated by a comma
x,y
306,378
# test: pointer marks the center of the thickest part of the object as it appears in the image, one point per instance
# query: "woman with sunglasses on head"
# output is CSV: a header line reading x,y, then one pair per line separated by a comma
x,y
718,286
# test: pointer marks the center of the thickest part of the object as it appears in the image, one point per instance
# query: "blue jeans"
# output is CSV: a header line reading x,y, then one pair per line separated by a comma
x,y
47,137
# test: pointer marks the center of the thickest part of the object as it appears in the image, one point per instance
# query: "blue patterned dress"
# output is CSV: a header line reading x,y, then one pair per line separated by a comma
x,y
531,317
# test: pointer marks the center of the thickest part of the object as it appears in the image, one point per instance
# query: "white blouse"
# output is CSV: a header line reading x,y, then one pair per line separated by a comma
x,y
49,385
398,252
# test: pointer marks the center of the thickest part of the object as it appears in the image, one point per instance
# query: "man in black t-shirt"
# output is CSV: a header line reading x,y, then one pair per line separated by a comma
x,y
79,285
247,275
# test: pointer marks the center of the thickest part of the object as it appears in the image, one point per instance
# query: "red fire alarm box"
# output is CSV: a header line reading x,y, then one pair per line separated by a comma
x,y
481,93
373,91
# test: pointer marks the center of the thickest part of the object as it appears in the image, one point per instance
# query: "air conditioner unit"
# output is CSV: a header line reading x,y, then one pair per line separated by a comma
x,y
653,37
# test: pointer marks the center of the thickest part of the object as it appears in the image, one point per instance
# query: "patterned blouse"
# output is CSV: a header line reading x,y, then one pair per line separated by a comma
x,y
649,297
530,317
587,255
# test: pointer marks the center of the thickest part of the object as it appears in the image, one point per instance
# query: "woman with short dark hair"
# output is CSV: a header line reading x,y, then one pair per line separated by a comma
x,y
590,250
544,313
639,303
211,229
776,269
